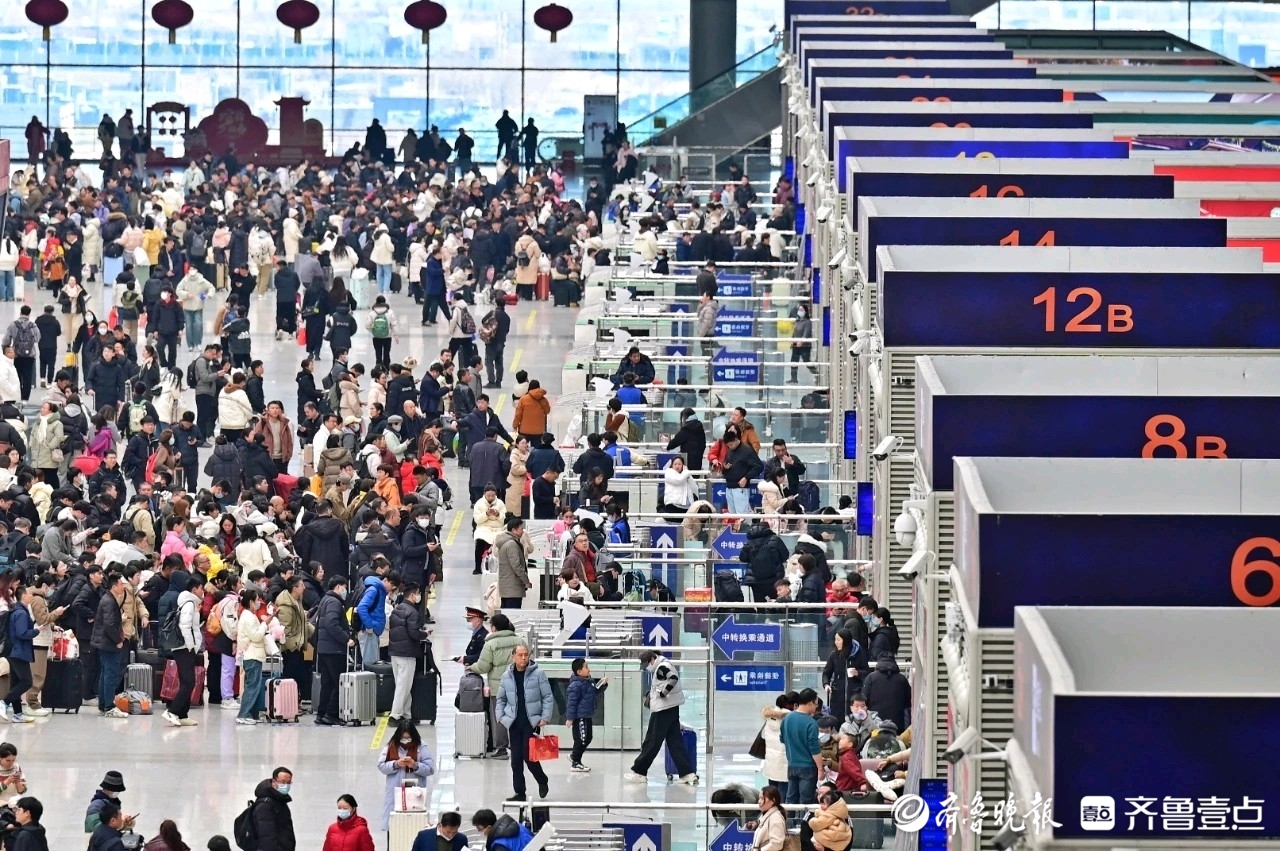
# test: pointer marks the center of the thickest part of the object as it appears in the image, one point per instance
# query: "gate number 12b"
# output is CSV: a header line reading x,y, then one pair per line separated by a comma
x,y
1119,317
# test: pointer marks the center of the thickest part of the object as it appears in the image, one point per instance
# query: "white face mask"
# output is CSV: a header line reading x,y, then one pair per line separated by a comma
x,y
424,523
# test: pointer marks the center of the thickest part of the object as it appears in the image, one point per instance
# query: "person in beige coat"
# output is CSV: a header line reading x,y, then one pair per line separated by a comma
x,y
292,236
350,405
830,825
526,273
515,479
91,252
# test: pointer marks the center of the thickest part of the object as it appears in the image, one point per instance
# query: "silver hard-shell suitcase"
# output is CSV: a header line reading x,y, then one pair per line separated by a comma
x,y
469,734
139,677
358,697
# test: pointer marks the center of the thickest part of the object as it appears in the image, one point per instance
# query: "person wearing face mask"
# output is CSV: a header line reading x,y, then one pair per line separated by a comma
x,y
166,320
272,818
405,648
445,836
801,340
350,832
861,722
406,758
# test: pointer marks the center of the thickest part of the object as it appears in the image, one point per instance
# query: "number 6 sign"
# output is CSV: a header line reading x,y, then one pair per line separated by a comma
x,y
1242,569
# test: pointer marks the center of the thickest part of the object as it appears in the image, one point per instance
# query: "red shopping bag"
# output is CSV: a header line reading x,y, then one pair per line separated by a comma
x,y
543,748
302,336
169,685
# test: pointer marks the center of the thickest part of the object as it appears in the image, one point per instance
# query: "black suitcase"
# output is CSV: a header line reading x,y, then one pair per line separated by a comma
x,y
426,688
396,282
386,685
547,588
867,832
62,686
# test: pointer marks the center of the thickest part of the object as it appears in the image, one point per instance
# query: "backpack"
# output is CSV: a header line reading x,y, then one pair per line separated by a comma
x,y
229,624
129,299
808,497
467,323
488,327
137,412
26,338
470,696
6,640
192,378
244,830
199,245
633,583
380,327
171,631
727,587
354,596
522,258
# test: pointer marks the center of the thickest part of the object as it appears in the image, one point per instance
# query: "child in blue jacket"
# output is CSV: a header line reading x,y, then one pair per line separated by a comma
x,y
579,707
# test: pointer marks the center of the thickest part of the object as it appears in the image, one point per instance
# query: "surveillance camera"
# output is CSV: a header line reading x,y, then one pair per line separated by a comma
x,y
958,748
824,213
813,179
1006,838
886,447
918,562
839,257
904,529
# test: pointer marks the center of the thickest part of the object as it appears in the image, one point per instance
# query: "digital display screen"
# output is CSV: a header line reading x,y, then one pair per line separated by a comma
x,y
1161,788
866,501
984,230
920,72
882,7
1096,427
1062,120
915,51
1165,560
943,185
938,94
972,148
1097,310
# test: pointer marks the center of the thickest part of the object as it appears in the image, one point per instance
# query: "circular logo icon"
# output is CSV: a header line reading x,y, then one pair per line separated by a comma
x,y
910,813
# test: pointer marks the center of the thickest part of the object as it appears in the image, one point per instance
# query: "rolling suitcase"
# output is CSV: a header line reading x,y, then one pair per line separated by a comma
x,y
282,700
469,734
140,677
689,737
386,685
358,697
273,668
542,286
61,691
426,690
396,282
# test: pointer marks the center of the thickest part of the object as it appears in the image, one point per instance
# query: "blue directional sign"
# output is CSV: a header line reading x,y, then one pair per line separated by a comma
x,y
735,323
676,371
733,637
666,540
678,307
733,289
732,838
750,678
639,837
728,544
657,630
735,367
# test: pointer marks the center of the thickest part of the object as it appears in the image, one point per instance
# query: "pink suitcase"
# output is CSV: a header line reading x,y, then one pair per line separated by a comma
x,y
282,700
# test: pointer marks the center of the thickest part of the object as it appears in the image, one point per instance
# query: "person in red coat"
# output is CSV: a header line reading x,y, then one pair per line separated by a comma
x,y
850,777
350,832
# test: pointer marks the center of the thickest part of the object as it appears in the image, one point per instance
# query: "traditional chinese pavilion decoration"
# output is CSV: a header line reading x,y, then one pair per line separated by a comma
x,y
173,15
425,15
553,18
46,14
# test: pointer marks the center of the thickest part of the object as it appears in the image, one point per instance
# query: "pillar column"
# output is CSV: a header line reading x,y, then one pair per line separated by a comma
x,y
713,48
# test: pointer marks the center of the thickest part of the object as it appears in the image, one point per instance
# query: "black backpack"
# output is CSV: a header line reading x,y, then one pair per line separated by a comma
x,y
727,587
244,830
192,378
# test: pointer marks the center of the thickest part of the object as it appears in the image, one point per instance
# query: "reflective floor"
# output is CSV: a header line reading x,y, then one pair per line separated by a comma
x,y
201,777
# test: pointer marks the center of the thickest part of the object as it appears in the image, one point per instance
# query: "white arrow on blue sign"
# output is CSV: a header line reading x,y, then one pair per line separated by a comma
x,y
750,677
747,638
664,540
657,630
728,544
732,838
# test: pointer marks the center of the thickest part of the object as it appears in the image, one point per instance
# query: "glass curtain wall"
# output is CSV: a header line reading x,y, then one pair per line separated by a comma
x,y
1247,32
360,61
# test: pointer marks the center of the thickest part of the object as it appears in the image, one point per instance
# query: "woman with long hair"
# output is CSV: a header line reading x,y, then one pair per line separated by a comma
x,y
168,839
405,758
771,828
251,635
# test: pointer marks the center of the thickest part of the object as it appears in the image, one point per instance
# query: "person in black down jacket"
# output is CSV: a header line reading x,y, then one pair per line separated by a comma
x,y
272,818
333,637
341,327
107,639
766,557
225,463
691,439
106,378
256,461
884,635
405,648
30,834
324,539
888,693
166,320
308,391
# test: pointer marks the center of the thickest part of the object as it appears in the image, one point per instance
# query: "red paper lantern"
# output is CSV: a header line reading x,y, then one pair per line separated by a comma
x,y
553,18
173,15
47,14
298,14
425,15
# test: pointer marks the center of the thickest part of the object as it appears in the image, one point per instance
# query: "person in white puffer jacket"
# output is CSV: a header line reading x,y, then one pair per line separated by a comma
x,y
9,252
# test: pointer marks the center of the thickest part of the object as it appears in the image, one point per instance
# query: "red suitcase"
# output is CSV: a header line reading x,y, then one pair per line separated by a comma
x,y
542,287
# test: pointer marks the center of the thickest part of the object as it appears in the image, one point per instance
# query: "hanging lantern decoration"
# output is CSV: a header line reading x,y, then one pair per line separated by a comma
x,y
553,18
425,15
47,14
173,15
298,14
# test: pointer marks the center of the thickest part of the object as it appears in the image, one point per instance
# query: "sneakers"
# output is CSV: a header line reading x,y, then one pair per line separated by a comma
x,y
247,721
579,768
172,719
186,722
231,705
39,712
113,713
89,701
688,779
22,719
632,777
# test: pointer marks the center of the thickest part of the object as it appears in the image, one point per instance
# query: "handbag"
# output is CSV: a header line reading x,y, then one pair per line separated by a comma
x,y
757,749
64,647
25,263
543,748
410,799
140,257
